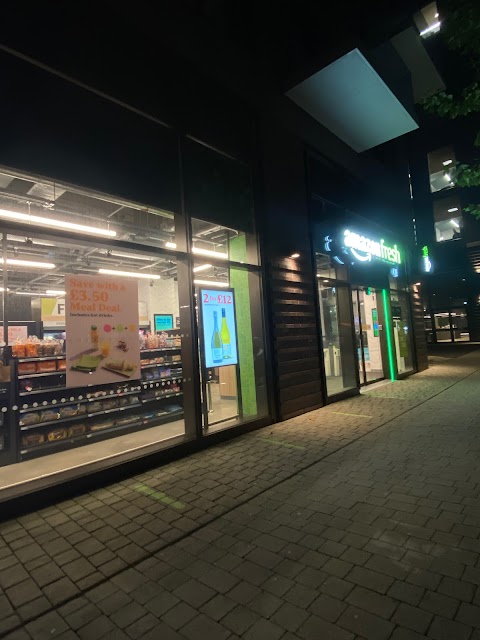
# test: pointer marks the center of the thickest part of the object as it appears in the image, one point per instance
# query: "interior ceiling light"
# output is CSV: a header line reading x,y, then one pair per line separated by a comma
x,y
37,294
211,283
452,209
55,224
171,245
129,274
202,267
119,254
433,27
54,292
295,255
29,263
447,177
447,162
2,289
208,252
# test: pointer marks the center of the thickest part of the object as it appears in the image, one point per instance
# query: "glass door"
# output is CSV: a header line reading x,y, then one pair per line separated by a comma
x,y
367,331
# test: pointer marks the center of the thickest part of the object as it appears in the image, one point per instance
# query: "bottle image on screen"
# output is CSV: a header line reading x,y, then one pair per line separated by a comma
x,y
217,347
225,335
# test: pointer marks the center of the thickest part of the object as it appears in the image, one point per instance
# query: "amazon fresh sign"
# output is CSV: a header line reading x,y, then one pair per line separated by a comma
x,y
365,249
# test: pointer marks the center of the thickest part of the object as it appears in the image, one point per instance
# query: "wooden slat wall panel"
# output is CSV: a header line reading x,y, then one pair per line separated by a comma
x,y
295,336
419,330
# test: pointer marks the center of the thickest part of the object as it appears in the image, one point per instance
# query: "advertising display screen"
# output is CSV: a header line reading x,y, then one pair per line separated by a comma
x,y
163,321
219,328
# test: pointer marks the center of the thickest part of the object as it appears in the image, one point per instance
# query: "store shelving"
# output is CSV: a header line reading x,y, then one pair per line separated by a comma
x,y
148,392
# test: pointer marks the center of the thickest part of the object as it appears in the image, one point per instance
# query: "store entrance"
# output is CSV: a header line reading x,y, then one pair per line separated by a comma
x,y
366,305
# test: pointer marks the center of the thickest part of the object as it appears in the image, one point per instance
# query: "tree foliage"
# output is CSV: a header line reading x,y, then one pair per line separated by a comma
x,y
461,32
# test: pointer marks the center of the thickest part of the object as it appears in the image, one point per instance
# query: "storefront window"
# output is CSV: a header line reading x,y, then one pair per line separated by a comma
x,y
451,326
441,167
231,344
401,331
90,366
448,219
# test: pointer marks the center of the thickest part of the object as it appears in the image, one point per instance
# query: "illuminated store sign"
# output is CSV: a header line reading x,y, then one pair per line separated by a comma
x,y
363,249
427,264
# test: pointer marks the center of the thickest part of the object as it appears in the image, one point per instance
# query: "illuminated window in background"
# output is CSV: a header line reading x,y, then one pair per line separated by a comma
x,y
428,20
441,167
447,214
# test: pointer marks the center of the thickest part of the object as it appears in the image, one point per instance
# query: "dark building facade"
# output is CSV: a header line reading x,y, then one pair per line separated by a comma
x,y
447,237
262,219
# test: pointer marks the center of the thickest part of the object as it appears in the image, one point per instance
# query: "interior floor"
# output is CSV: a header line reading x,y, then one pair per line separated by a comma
x,y
29,471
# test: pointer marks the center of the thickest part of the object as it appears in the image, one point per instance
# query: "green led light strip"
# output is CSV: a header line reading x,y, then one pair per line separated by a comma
x,y
389,335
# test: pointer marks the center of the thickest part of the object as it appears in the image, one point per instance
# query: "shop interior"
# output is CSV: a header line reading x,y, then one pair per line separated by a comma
x,y
54,425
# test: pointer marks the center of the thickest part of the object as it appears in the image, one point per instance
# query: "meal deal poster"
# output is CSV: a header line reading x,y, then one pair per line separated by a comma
x,y
101,320
53,312
219,328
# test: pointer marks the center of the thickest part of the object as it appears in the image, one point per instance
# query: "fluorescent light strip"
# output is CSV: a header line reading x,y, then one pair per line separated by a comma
x,y
56,224
432,27
207,252
447,162
171,245
211,283
54,292
29,263
118,254
129,274
202,267
452,209
37,294
455,224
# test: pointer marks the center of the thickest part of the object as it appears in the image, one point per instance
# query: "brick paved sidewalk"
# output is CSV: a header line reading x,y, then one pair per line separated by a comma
x,y
359,520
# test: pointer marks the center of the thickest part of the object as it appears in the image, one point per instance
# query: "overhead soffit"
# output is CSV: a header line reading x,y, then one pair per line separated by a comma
x,y
349,98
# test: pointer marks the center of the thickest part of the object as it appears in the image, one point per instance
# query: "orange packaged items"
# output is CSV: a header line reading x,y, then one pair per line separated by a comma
x,y
18,349
31,349
46,366
61,365
26,368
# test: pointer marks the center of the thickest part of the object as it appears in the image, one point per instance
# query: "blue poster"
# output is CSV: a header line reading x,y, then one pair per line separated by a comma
x,y
219,328
163,322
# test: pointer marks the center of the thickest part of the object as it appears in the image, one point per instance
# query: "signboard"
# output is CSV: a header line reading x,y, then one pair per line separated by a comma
x,y
219,328
351,247
426,262
19,332
375,322
102,342
163,321
52,312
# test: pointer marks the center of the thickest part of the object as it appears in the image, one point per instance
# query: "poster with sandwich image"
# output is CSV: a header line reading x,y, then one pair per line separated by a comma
x,y
101,322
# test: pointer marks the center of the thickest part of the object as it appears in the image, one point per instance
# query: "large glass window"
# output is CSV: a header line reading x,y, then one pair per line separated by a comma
x,y
447,214
441,167
451,325
231,342
402,331
428,20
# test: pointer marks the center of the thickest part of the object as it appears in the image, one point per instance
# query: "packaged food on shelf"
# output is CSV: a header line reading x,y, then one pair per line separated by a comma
x,y
99,426
49,348
109,404
18,349
61,365
57,434
26,368
76,430
48,415
120,422
95,407
70,411
123,401
134,399
31,348
166,373
46,366
32,439
29,419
